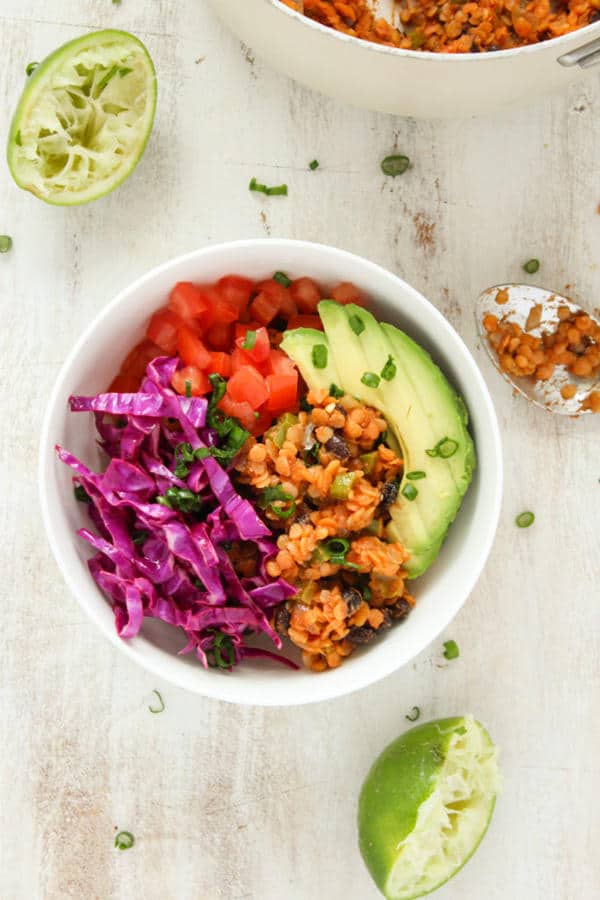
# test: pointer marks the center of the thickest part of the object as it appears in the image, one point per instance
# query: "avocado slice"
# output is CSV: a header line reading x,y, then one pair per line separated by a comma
x,y
300,344
420,407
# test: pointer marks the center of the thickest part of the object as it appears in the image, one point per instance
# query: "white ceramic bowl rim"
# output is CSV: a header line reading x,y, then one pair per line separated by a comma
x,y
587,32
307,688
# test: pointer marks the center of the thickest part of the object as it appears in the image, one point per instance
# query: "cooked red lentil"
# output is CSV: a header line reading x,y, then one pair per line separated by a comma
x,y
325,480
574,343
454,27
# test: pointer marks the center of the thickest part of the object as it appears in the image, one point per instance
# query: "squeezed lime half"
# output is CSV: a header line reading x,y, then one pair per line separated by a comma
x,y
84,118
426,804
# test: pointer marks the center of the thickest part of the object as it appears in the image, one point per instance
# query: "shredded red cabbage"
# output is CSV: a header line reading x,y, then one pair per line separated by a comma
x,y
155,560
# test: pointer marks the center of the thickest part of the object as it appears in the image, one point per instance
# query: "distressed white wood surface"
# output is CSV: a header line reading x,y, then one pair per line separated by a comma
x,y
229,803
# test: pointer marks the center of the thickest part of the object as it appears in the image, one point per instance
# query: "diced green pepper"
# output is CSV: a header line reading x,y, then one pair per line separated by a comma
x,y
278,432
368,461
342,485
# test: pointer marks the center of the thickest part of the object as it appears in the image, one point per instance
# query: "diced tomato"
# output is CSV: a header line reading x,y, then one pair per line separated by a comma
x,y
192,350
306,294
283,392
280,364
264,308
220,363
243,412
220,336
225,312
125,384
239,360
260,348
136,361
190,301
191,376
261,422
236,291
286,306
306,322
249,385
346,292
162,330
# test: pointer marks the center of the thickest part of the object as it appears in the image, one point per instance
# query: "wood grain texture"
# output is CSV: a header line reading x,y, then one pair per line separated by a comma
x,y
229,803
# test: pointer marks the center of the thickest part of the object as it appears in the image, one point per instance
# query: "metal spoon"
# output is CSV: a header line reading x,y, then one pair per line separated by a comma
x,y
522,298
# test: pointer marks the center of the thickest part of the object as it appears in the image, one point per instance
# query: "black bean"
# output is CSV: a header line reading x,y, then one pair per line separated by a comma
x,y
338,446
362,635
352,599
399,610
387,620
282,620
389,493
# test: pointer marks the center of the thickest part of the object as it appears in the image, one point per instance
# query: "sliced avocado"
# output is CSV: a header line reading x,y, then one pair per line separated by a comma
x,y
300,345
421,409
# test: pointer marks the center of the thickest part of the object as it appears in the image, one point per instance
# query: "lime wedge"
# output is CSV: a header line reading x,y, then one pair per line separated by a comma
x,y
83,119
426,804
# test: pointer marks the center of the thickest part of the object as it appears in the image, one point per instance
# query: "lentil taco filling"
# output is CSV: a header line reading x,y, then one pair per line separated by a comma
x,y
454,27
325,480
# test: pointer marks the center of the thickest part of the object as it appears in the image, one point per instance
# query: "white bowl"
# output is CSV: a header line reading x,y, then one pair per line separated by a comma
x,y
407,82
91,366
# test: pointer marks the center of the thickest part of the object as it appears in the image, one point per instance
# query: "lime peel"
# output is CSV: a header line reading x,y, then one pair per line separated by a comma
x,y
426,805
84,118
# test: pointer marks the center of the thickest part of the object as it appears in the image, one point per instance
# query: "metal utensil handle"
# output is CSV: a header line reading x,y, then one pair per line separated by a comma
x,y
585,57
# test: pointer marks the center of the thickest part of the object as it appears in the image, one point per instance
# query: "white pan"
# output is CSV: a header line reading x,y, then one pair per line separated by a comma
x,y
408,82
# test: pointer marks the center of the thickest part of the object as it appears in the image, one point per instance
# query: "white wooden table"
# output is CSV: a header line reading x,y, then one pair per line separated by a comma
x,y
229,803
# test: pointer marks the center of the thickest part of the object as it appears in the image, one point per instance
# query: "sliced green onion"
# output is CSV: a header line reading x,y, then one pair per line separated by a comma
x,y
445,448
370,379
81,494
125,70
319,356
531,266
256,186
525,519
334,550
417,38
416,476
409,491
31,67
278,190
272,493
397,164
314,164
335,391
356,324
249,340
389,370
124,840
414,714
153,709
281,278
188,389
5,243
283,512
451,650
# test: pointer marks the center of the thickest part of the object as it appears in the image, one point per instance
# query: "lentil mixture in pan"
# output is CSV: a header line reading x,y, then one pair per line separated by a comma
x,y
326,480
454,27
